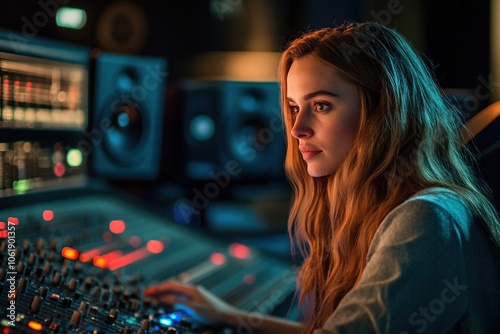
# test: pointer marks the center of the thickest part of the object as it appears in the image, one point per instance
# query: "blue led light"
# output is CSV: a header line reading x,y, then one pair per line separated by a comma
x,y
176,316
202,128
166,321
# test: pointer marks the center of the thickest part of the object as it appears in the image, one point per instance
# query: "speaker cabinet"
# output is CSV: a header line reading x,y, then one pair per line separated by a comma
x,y
232,130
128,116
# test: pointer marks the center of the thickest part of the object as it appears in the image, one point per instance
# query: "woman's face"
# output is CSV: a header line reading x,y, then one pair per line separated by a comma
x,y
326,111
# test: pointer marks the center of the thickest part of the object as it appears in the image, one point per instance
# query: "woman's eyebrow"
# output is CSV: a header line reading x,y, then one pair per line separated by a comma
x,y
314,94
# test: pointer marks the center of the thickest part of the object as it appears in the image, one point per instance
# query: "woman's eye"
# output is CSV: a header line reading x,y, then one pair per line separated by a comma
x,y
294,110
321,106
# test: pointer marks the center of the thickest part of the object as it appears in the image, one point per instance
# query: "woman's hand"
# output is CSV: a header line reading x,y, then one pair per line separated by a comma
x,y
199,303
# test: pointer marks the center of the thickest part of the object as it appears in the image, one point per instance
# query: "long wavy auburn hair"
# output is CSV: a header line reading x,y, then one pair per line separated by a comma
x,y
408,140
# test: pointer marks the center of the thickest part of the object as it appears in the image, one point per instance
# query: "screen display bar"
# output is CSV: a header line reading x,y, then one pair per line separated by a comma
x,y
38,93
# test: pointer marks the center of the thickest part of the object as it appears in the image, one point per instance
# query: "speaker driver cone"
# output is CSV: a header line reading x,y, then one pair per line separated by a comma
x,y
124,133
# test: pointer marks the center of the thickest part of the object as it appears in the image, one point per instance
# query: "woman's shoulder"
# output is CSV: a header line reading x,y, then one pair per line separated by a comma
x,y
434,201
434,214
437,195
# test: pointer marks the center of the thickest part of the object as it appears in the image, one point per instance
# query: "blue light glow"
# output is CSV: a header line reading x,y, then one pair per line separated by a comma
x,y
166,321
73,18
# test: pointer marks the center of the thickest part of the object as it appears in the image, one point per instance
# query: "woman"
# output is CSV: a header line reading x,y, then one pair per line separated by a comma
x,y
396,233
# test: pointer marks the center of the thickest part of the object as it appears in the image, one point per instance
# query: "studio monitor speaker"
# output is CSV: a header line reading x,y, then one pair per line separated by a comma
x,y
232,128
128,116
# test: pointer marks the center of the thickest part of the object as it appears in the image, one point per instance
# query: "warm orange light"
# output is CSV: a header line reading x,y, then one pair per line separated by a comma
x,y
112,255
100,262
69,253
239,251
35,325
242,66
87,256
48,215
218,258
13,220
108,247
154,246
117,226
129,258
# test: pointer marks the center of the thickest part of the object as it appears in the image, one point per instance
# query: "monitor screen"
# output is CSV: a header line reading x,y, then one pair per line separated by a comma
x,y
43,114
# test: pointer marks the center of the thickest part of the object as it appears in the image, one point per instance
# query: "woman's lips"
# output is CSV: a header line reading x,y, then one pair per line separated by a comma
x,y
309,152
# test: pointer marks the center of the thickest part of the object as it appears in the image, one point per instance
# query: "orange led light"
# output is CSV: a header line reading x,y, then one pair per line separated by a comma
x,y
100,262
2,225
112,255
239,251
218,258
69,253
117,226
154,246
35,325
129,258
13,220
48,215
87,256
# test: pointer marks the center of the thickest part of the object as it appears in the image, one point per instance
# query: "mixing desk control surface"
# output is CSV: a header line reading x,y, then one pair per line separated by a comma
x,y
80,265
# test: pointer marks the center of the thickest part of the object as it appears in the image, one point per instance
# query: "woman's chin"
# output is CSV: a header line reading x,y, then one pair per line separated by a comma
x,y
314,172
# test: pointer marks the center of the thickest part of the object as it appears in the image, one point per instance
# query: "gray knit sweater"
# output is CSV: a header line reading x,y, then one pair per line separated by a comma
x,y
430,269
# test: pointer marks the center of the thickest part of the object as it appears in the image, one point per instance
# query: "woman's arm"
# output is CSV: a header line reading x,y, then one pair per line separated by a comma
x,y
209,309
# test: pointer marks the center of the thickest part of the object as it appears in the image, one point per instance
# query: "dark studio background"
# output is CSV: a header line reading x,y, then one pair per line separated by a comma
x,y
454,36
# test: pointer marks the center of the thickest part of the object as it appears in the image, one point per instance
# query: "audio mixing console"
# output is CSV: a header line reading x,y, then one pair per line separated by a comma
x,y
79,265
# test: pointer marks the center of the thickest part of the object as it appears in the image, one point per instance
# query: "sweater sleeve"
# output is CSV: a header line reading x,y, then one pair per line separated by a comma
x,y
415,278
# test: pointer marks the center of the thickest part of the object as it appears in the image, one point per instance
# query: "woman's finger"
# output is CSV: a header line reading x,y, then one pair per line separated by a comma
x,y
172,287
170,299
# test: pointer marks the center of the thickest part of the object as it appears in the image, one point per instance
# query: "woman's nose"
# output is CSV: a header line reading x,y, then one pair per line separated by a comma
x,y
301,127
